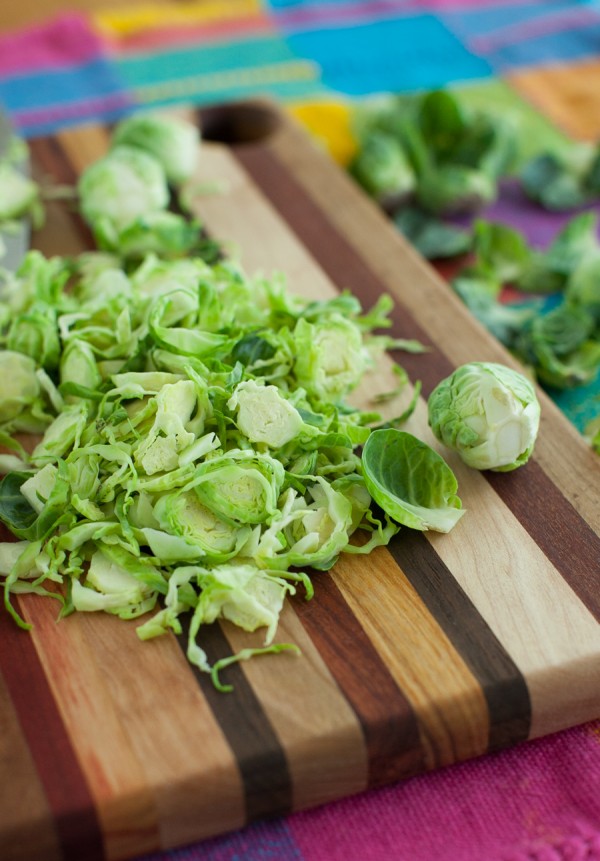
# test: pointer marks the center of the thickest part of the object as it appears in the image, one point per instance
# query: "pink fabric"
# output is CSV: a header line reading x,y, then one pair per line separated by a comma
x,y
537,802
66,41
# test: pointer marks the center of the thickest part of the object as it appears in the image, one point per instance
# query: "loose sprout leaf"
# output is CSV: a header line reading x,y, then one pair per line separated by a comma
x,y
410,481
16,512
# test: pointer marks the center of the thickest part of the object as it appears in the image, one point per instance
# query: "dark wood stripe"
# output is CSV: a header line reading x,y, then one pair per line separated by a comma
x,y
562,534
69,798
556,527
50,161
502,683
386,717
260,757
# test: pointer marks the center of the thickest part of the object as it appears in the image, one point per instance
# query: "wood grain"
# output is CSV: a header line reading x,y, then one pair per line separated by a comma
x,y
442,691
26,818
51,749
312,206
436,649
387,719
313,718
501,682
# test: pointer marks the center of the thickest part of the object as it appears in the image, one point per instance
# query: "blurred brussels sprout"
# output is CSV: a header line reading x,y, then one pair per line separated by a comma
x,y
172,141
124,185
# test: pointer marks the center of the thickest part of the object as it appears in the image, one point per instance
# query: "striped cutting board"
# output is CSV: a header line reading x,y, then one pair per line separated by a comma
x,y
439,648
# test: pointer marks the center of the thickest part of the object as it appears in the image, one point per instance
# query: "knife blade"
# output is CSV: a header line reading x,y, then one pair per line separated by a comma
x,y
14,239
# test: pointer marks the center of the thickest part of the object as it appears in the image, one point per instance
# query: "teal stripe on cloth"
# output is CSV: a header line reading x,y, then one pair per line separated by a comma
x,y
204,59
208,73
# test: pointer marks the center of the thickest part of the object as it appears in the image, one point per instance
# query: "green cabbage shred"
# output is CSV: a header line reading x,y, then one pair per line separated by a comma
x,y
197,457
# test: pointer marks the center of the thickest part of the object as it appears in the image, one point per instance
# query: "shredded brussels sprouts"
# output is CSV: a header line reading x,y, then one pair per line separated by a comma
x,y
198,454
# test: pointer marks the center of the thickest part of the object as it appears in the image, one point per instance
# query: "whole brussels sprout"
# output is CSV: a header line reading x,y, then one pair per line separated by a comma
x,y
172,141
488,413
124,185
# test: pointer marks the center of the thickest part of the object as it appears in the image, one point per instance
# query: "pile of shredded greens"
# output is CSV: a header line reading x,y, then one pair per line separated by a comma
x,y
197,451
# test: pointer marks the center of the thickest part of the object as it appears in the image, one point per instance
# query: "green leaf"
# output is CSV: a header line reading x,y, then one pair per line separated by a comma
x,y
500,250
432,237
410,481
547,181
383,170
15,512
441,123
252,348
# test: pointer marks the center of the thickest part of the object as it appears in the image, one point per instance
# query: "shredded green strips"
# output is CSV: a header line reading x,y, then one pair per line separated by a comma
x,y
198,452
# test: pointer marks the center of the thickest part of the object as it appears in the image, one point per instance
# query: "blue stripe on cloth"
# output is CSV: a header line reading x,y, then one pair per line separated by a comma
x,y
263,841
398,54
96,79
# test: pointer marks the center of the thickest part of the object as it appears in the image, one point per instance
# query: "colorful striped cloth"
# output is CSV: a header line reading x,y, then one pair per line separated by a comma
x,y
540,60
59,73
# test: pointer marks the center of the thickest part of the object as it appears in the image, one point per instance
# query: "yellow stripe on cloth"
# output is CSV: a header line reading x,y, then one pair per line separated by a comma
x,y
198,85
126,20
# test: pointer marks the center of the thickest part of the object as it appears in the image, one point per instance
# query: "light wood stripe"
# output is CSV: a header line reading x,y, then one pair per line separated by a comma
x,y
526,602
555,529
315,724
188,771
501,682
26,820
165,773
78,681
388,722
449,703
264,773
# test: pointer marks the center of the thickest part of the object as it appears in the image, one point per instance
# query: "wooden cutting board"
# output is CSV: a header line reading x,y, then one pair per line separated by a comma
x,y
434,650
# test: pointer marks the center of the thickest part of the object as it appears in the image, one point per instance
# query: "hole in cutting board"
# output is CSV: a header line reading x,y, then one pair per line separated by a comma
x,y
238,123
